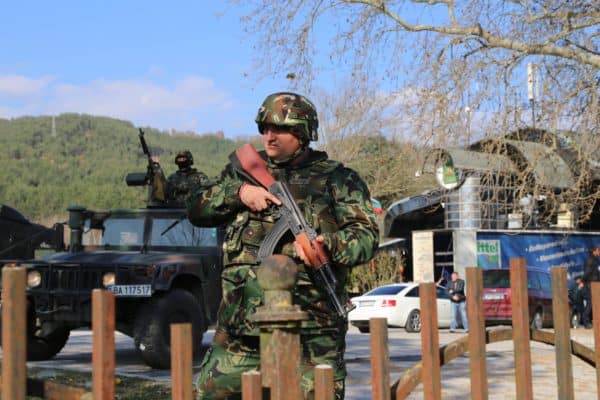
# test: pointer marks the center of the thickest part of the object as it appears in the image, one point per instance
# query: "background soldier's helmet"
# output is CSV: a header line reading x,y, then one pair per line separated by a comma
x,y
184,159
290,110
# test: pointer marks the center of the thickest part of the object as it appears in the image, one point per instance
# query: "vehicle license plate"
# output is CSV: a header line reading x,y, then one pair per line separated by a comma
x,y
493,296
131,290
368,303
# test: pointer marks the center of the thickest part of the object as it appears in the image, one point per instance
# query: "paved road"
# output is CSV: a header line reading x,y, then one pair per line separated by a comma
x,y
404,353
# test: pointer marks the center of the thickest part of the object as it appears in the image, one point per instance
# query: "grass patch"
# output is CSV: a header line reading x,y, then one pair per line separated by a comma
x,y
126,388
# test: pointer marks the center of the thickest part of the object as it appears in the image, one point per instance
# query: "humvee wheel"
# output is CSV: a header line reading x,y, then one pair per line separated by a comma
x,y
45,345
152,329
42,343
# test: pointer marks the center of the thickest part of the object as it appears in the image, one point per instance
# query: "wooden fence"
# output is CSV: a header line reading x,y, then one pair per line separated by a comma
x,y
14,381
280,339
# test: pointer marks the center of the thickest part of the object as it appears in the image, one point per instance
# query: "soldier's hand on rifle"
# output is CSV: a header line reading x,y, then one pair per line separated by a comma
x,y
257,198
300,251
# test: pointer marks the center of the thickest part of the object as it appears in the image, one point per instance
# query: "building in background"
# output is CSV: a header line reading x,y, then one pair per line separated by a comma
x,y
528,194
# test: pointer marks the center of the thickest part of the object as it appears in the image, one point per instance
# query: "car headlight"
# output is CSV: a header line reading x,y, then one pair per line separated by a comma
x,y
34,279
108,279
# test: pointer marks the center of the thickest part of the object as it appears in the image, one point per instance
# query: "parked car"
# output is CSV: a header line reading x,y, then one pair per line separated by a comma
x,y
399,303
497,297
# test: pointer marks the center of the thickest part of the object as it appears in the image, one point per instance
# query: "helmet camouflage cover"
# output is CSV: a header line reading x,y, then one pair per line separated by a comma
x,y
290,110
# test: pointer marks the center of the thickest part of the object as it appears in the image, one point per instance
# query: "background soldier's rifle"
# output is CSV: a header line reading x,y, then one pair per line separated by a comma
x,y
251,165
155,176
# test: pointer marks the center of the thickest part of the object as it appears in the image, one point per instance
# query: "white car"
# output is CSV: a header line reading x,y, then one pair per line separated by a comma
x,y
399,303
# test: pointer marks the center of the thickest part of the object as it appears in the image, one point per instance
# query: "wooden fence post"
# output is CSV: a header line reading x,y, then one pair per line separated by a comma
x,y
14,344
103,352
324,389
251,385
562,330
380,359
520,320
477,360
181,361
595,288
430,342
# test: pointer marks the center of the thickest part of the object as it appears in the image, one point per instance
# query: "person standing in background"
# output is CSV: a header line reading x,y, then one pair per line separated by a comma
x,y
456,290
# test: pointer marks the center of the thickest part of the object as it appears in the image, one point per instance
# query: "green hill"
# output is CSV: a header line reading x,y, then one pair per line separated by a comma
x,y
84,160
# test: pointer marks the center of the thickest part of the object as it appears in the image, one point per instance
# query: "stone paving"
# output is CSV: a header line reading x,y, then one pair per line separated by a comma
x,y
405,352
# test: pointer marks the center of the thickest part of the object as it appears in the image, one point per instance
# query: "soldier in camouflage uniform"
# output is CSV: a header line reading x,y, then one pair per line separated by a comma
x,y
334,200
181,183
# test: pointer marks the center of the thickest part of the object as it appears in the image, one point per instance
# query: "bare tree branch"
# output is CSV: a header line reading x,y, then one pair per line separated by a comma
x,y
425,73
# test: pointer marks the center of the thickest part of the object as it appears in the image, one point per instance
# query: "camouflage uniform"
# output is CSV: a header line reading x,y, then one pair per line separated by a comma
x,y
181,183
335,201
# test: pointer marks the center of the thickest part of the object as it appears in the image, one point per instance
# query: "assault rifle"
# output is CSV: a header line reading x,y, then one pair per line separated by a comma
x,y
252,166
154,177
145,148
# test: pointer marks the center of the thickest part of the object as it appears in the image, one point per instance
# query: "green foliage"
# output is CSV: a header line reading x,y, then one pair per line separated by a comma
x,y
86,161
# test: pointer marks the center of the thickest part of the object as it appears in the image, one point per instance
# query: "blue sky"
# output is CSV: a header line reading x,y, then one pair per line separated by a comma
x,y
185,65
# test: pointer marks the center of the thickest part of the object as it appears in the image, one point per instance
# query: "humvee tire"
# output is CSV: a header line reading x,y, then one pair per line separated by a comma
x,y
42,343
151,332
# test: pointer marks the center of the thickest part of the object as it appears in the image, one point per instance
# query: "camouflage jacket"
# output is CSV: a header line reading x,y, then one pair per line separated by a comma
x,y
334,200
181,184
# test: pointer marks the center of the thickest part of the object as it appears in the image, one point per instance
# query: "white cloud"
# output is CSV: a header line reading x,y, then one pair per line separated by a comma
x,y
180,105
22,86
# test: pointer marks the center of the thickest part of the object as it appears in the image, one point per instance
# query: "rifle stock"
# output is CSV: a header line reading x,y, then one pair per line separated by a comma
x,y
255,168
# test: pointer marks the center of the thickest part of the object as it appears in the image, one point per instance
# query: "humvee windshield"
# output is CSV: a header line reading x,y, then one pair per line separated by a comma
x,y
128,231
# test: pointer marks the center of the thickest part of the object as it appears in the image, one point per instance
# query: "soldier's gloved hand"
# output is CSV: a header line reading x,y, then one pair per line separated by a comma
x,y
300,251
256,198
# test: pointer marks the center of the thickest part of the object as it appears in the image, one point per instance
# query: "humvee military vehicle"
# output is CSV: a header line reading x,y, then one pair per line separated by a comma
x,y
161,269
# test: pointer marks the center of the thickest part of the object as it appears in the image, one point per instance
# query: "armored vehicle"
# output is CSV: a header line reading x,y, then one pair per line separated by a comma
x,y
161,269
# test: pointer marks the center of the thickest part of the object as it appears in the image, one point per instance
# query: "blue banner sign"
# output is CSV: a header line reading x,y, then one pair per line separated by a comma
x,y
541,250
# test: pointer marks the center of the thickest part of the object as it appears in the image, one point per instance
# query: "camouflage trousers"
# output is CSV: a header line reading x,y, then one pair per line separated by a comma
x,y
226,360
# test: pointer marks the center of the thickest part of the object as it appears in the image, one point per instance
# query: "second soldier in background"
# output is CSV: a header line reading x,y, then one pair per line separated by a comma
x,y
185,179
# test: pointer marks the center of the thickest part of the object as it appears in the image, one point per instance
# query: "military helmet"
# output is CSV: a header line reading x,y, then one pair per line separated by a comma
x,y
184,158
289,110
